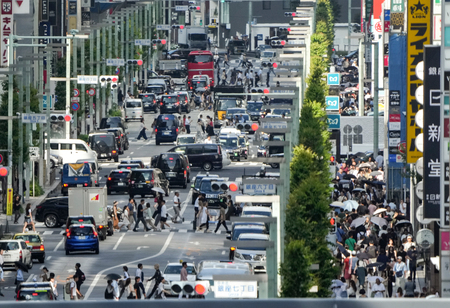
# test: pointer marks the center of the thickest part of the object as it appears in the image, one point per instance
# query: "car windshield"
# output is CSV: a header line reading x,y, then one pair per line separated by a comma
x,y
134,104
268,214
28,238
176,73
281,111
141,176
170,99
227,103
129,167
200,58
198,181
229,142
9,246
155,89
170,161
35,295
205,186
254,107
182,97
176,269
112,122
118,175
108,140
268,54
198,37
243,117
186,140
238,232
242,141
165,122
81,231
200,83
81,220
148,98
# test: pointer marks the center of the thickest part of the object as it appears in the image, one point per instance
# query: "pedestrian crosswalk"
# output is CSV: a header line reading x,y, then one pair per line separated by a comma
x,y
176,230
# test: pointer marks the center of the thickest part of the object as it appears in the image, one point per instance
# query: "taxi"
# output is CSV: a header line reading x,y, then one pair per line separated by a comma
x,y
36,242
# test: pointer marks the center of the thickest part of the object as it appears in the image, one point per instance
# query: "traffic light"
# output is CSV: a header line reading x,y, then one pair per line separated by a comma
x,y
289,14
4,171
191,288
178,27
159,41
103,81
194,8
114,81
257,90
283,29
57,117
135,62
241,126
225,186
277,43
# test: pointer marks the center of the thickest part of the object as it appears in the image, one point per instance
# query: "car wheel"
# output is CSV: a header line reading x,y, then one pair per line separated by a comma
x,y
126,120
67,252
116,159
97,251
30,265
207,166
274,165
51,221
41,260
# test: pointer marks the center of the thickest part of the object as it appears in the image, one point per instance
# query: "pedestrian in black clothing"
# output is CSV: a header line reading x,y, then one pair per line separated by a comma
x,y
268,79
140,216
16,209
412,257
138,286
157,277
222,217
80,275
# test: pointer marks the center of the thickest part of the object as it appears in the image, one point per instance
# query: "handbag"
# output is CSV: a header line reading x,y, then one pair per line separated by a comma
x,y
399,274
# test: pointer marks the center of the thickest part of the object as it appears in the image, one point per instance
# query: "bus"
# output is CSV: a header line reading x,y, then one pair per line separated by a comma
x,y
200,62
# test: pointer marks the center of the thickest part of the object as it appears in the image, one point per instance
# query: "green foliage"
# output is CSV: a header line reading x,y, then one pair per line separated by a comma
x,y
38,190
115,113
85,138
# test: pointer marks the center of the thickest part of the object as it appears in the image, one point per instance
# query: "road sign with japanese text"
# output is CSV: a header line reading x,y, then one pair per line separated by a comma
x,y
333,79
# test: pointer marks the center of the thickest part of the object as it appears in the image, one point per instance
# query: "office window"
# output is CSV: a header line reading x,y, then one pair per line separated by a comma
x,y
266,5
286,4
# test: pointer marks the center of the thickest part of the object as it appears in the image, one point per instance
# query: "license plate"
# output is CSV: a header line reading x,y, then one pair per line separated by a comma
x,y
120,184
82,237
103,155
171,174
6,256
140,186
210,196
79,185
166,133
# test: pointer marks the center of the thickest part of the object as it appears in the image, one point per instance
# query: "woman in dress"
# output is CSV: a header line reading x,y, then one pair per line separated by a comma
x,y
204,216
28,218
125,221
115,218
390,249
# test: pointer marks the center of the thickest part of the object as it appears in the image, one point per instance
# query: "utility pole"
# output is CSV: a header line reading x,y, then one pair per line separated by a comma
x,y
91,72
375,100
97,107
75,73
83,93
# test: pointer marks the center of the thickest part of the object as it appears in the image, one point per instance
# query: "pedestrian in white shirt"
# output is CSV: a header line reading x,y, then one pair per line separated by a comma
x,y
378,289
400,272
187,124
161,292
142,129
164,215
402,207
116,292
177,207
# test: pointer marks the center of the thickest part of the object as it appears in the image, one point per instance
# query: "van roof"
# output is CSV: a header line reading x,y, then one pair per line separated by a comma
x,y
256,209
67,140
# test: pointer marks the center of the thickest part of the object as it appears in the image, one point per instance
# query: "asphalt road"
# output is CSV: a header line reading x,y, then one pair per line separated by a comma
x,y
179,242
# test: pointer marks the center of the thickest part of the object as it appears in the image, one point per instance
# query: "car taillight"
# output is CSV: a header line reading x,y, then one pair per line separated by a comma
x,y
154,101
85,184
121,135
100,227
219,150
41,248
114,151
185,173
27,242
95,234
109,179
67,230
68,234
177,130
20,255
186,101
156,130
65,185
161,104
38,207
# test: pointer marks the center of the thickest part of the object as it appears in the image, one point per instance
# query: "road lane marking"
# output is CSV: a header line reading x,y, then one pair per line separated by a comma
x,y
142,247
49,257
223,252
30,278
182,231
99,275
59,244
118,242
147,286
131,153
62,232
47,232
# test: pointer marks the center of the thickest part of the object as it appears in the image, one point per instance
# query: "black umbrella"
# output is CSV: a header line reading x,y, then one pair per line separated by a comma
x,y
113,276
349,176
22,266
343,250
375,264
363,256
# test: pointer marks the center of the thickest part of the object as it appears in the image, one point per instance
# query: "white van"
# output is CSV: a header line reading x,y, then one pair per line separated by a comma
x,y
134,109
71,150
158,82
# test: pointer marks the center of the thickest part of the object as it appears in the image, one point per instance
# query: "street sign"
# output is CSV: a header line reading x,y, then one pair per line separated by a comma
x,y
34,152
76,92
9,201
260,189
75,106
34,118
162,27
333,79
181,8
332,102
235,289
91,92
142,42
46,100
87,79
275,125
115,62
334,121
1,158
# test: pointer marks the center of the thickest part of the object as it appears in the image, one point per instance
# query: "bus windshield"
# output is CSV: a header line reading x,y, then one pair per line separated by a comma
x,y
200,58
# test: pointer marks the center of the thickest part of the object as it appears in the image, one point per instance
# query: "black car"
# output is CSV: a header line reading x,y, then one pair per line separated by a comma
x,y
166,129
196,185
143,180
215,198
206,156
113,122
123,166
254,109
118,181
53,212
230,144
149,102
105,144
175,166
121,138
133,161
170,104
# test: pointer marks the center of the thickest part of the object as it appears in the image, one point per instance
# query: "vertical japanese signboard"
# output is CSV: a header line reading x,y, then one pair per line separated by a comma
x,y
419,32
432,132
6,28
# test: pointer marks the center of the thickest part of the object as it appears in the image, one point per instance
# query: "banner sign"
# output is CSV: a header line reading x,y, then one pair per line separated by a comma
x,y
418,34
432,132
7,29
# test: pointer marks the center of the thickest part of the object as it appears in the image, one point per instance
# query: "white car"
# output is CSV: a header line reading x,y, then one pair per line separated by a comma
x,y
256,256
16,250
252,211
186,139
172,273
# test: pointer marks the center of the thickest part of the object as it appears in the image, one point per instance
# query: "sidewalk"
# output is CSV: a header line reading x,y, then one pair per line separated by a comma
x,y
35,201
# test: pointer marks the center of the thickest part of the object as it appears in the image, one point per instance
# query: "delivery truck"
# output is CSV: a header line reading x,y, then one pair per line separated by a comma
x,y
91,201
193,37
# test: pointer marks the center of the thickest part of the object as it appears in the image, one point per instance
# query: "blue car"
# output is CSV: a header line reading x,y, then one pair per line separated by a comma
x,y
82,237
166,129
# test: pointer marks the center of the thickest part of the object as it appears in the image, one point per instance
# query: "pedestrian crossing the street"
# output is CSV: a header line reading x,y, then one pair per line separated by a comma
x,y
175,230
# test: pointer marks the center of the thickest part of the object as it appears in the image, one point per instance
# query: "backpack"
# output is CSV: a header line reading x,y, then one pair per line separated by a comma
x,y
67,287
82,277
